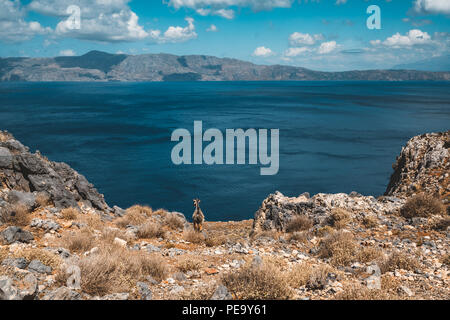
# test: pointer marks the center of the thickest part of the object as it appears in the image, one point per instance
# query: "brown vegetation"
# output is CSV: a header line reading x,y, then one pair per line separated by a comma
x,y
423,206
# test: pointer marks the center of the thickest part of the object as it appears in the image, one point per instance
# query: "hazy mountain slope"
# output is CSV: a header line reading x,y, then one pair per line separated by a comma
x,y
434,64
100,66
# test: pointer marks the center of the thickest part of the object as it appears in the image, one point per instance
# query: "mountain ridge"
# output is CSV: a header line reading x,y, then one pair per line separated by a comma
x,y
102,66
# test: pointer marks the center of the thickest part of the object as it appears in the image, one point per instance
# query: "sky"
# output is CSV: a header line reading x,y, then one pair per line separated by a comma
x,y
328,35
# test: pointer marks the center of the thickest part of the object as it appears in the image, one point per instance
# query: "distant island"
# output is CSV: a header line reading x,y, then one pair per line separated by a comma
x,y
101,66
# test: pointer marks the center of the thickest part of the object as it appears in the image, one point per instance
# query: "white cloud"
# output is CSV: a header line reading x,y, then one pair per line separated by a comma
x,y
294,52
176,34
13,27
212,28
327,47
222,7
263,52
299,39
67,53
432,6
411,38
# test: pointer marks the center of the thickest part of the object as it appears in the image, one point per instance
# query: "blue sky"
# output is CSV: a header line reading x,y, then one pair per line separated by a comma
x,y
327,35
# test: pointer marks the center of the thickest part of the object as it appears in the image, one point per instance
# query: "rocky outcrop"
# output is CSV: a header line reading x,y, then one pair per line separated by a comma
x,y
23,175
423,166
278,210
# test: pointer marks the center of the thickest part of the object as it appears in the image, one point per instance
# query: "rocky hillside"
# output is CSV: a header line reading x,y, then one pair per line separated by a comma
x,y
101,66
59,240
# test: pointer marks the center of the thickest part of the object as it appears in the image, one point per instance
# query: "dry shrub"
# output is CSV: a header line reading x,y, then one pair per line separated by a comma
x,y
78,241
264,282
135,216
109,234
115,269
17,215
446,259
423,206
201,293
299,223
298,236
150,230
340,247
340,218
398,260
186,264
92,220
173,221
369,254
4,252
370,222
271,234
325,231
43,199
193,236
160,212
45,256
4,136
356,291
313,277
215,240
441,224
69,213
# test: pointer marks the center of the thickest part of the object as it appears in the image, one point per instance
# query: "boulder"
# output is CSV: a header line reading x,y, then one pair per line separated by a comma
x,y
13,234
38,267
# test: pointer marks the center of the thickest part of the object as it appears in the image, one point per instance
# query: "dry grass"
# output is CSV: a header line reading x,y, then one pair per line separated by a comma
x,y
193,236
46,257
135,216
69,213
109,234
340,218
422,205
299,223
325,231
215,239
265,282
340,247
313,277
78,241
186,264
43,199
299,237
17,215
4,136
202,293
114,269
150,230
369,254
446,259
440,224
4,252
370,222
398,260
173,221
356,291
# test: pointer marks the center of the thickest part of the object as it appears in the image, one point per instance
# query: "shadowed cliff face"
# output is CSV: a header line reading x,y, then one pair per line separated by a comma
x,y
423,166
101,66
25,172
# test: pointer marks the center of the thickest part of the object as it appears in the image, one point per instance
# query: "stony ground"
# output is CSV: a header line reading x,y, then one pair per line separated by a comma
x,y
338,246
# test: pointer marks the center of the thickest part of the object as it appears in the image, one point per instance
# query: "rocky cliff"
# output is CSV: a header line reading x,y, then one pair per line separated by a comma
x,y
24,175
101,66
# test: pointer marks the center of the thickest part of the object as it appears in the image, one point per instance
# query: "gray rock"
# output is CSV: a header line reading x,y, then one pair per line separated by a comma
x,y
406,291
46,225
144,291
20,263
62,293
257,261
221,293
6,158
39,267
179,276
119,212
74,277
7,290
13,234
27,199
115,296
30,287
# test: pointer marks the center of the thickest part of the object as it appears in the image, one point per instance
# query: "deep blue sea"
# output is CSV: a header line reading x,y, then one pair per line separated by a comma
x,y
334,136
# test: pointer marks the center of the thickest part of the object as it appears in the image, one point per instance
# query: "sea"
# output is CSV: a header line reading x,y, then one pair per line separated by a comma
x,y
333,136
